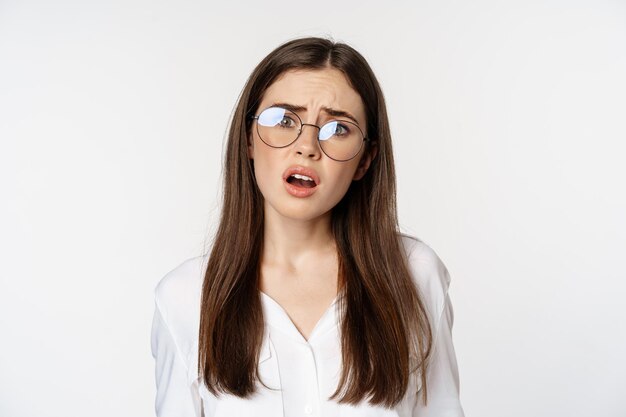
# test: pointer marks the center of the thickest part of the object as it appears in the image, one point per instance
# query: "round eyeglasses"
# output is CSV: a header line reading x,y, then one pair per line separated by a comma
x,y
340,140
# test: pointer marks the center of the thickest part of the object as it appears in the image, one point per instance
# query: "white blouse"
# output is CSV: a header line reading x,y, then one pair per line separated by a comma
x,y
305,373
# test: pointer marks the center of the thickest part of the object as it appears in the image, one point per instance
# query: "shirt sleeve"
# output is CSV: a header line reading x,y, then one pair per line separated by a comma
x,y
442,375
175,396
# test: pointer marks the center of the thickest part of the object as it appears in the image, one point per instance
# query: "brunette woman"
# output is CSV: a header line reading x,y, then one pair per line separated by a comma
x,y
310,302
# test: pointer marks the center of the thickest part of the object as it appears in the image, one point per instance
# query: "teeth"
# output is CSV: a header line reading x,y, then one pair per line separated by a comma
x,y
302,177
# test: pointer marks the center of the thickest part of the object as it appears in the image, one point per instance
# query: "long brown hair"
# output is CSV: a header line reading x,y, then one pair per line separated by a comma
x,y
385,333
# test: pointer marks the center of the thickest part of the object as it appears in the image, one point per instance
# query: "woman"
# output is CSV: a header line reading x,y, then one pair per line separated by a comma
x,y
310,301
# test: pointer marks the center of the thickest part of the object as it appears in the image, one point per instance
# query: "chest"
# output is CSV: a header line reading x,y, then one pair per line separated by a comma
x,y
304,305
304,295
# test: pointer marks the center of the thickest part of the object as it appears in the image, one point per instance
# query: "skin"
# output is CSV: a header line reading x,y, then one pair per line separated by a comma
x,y
299,261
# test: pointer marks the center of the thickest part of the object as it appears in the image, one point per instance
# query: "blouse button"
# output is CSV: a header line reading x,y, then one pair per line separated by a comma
x,y
308,409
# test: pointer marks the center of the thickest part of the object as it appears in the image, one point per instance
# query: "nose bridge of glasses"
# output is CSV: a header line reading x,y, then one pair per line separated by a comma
x,y
309,124
312,125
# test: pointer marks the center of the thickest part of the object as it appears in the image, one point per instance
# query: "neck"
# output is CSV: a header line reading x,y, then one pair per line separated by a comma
x,y
290,243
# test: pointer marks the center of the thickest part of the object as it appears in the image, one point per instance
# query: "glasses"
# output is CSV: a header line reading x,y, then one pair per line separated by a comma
x,y
340,140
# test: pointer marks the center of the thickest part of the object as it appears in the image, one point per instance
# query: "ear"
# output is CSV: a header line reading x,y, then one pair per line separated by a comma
x,y
365,162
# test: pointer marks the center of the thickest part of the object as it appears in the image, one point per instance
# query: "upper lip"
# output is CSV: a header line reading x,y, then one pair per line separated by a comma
x,y
299,169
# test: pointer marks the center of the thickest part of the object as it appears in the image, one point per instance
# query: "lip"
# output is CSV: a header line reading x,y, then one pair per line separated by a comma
x,y
300,191
299,169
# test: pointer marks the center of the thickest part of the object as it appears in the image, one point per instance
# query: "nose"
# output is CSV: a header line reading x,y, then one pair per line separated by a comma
x,y
307,143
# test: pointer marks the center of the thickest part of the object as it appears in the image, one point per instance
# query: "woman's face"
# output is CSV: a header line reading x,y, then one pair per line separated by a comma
x,y
317,92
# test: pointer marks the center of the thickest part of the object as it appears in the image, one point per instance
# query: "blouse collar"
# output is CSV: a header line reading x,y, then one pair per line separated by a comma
x,y
277,317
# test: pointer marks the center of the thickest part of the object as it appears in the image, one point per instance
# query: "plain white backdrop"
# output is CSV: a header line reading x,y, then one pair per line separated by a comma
x,y
508,119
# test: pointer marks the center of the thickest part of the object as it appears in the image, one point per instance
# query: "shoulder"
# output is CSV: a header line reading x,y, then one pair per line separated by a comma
x,y
178,295
181,281
429,273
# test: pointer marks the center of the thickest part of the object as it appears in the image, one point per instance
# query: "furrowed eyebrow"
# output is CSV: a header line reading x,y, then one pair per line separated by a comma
x,y
331,112
340,113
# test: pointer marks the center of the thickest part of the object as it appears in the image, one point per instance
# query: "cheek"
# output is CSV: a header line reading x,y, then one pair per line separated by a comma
x,y
342,182
262,168
267,167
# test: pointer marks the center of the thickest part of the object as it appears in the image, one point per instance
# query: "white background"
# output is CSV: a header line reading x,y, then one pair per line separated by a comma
x,y
509,128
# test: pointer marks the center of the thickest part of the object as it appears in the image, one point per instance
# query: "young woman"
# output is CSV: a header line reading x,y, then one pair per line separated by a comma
x,y
310,301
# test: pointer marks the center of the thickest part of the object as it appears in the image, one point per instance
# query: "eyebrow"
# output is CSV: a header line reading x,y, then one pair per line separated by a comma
x,y
330,111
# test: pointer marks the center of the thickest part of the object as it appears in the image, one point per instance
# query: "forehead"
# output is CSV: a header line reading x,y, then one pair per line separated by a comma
x,y
315,89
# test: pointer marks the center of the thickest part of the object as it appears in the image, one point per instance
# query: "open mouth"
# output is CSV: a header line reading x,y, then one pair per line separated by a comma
x,y
301,181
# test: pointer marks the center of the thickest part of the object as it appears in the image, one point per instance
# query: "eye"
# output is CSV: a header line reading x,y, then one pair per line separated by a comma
x,y
287,122
335,129
341,130
278,117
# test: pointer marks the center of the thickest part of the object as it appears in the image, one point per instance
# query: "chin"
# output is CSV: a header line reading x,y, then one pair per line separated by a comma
x,y
301,215
301,211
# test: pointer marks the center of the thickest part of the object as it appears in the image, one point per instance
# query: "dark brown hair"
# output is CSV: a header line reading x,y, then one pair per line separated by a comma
x,y
385,333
